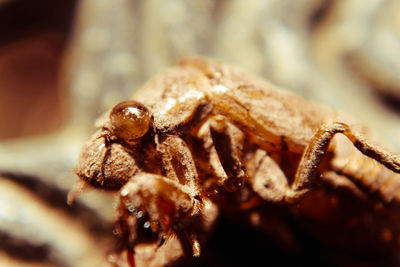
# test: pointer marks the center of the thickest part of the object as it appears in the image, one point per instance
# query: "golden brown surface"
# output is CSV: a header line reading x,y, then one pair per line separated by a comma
x,y
221,138
94,54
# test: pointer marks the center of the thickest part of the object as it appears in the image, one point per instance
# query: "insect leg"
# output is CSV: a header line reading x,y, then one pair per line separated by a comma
x,y
266,177
306,173
228,142
190,244
179,166
178,162
152,207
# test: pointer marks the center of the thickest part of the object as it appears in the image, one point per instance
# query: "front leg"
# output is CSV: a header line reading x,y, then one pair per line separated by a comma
x,y
157,212
179,166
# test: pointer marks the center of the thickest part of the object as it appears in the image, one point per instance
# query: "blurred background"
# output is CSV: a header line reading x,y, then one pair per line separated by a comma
x,y
63,63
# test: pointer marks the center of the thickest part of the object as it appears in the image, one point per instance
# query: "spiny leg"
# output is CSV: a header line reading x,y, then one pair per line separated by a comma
x,y
306,174
179,166
152,207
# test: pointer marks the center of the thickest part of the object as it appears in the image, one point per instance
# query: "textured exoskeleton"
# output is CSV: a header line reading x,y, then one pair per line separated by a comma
x,y
206,137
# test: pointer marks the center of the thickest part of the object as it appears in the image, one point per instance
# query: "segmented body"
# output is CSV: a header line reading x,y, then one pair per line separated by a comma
x,y
274,120
226,140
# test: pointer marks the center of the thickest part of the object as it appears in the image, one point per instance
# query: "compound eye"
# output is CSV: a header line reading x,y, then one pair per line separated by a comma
x,y
130,120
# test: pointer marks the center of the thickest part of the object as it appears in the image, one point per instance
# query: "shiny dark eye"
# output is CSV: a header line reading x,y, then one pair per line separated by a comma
x,y
130,120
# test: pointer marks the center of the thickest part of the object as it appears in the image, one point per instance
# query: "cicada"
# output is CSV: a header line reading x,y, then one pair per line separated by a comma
x,y
205,138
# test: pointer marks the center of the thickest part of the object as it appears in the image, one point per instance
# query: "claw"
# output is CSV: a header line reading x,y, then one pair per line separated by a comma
x,y
192,238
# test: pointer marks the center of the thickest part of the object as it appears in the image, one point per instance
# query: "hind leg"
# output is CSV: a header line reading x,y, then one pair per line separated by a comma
x,y
306,174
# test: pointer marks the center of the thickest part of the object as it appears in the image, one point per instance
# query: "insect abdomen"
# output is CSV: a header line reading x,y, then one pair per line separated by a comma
x,y
373,176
